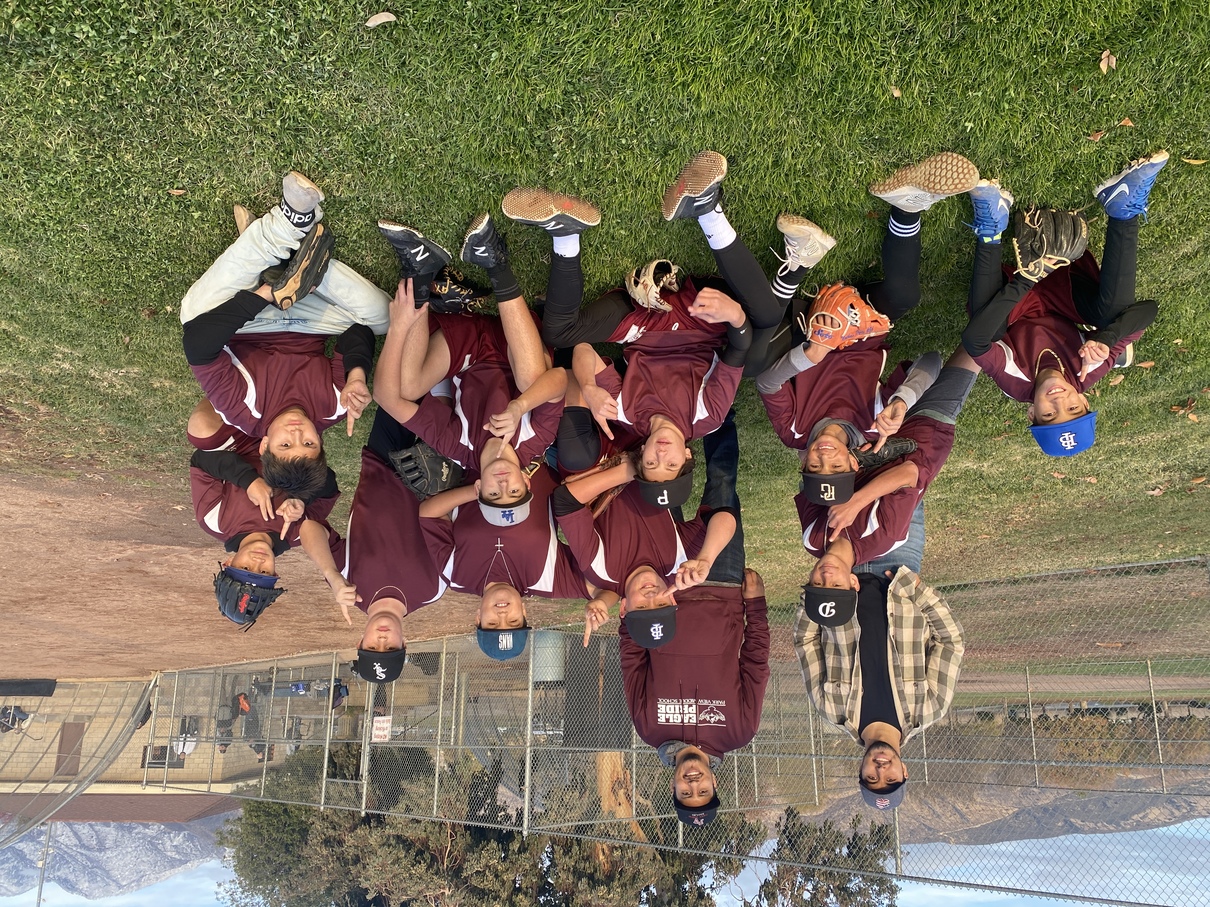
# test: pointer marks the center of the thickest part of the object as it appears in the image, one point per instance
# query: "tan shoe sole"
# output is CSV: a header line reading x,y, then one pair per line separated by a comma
x,y
706,169
534,206
946,173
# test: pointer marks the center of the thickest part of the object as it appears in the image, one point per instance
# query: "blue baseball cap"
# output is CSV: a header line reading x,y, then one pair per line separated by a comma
x,y
889,798
251,577
1067,438
502,644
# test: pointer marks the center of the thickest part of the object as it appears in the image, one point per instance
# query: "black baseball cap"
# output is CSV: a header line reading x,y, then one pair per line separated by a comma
x,y
672,493
502,644
828,490
652,628
380,667
507,514
829,607
889,798
697,815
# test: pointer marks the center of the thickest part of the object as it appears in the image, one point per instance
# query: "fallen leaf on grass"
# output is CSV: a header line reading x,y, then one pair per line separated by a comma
x,y
1059,475
1108,61
1125,122
1110,645
1116,380
1148,364
176,191
1193,417
147,313
1092,480
1096,136
1196,162
1156,492
179,507
1178,340
379,19
1197,480
895,92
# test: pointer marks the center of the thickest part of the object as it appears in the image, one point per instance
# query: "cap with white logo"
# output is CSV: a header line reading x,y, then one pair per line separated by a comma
x,y
828,490
380,667
502,644
828,607
1067,438
668,494
889,798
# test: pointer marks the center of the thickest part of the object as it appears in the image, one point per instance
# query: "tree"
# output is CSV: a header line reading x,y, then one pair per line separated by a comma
x,y
821,864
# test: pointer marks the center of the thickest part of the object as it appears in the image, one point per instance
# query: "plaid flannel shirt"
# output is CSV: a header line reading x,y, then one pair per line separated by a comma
x,y
924,651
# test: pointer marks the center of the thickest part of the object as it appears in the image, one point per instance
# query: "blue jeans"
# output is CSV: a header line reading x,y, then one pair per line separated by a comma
x,y
722,469
909,554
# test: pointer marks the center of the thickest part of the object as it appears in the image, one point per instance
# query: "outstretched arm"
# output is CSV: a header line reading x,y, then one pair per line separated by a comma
x,y
549,388
406,320
314,537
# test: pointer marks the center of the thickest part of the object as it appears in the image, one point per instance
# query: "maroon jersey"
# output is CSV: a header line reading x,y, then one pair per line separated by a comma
x,y
224,510
629,534
1042,333
259,376
473,338
650,329
386,553
690,385
454,428
843,386
707,686
230,438
527,555
883,526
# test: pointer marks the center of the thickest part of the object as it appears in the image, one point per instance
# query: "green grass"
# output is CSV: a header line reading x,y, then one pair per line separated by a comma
x,y
109,105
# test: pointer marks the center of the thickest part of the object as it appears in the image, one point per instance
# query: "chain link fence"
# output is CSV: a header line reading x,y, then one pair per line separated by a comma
x,y
1074,761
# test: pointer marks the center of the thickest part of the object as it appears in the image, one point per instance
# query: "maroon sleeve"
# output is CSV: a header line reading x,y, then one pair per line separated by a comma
x,y
693,532
718,393
583,541
439,538
754,656
321,508
544,420
994,363
206,492
781,406
609,380
437,424
894,513
636,664
814,521
338,371
226,388
569,581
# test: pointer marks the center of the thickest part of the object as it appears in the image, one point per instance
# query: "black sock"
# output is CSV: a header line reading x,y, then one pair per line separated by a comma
x,y
504,282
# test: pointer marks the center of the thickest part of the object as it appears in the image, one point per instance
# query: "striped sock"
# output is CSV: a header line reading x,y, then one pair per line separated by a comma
x,y
787,284
904,223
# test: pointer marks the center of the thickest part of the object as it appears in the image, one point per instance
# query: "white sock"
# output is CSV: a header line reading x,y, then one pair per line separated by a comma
x,y
567,246
718,230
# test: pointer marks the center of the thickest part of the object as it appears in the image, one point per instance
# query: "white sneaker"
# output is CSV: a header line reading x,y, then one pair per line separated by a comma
x,y
918,187
806,243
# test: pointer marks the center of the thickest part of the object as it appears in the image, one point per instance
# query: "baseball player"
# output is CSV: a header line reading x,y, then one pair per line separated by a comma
x,y
1061,322
257,346
880,654
387,563
233,503
824,397
685,350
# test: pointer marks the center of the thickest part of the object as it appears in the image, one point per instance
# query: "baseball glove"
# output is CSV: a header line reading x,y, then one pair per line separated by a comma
x,y
425,471
839,317
451,294
894,448
242,603
644,284
1045,239
305,268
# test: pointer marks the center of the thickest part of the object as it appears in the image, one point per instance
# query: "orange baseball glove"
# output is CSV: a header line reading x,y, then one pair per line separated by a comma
x,y
839,317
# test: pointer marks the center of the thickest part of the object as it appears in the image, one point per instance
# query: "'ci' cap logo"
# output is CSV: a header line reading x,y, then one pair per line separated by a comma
x,y
827,609
1068,440
505,641
827,491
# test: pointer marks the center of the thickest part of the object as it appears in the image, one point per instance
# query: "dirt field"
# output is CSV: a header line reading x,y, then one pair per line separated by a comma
x,y
116,582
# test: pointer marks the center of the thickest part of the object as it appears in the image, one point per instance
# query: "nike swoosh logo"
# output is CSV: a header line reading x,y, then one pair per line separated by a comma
x,y
1122,187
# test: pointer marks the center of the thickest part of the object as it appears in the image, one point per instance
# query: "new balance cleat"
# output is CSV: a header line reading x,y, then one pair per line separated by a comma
x,y
451,294
919,186
557,214
991,205
305,268
697,187
419,257
1126,195
483,246
806,243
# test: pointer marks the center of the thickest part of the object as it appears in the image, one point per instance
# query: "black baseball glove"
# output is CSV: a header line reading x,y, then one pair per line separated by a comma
x,y
242,603
1046,239
425,471
894,448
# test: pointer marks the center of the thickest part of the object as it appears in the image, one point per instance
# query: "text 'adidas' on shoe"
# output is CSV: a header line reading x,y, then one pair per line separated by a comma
x,y
557,214
1126,195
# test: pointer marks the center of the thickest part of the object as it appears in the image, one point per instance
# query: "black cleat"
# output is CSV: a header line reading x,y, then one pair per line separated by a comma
x,y
483,246
419,257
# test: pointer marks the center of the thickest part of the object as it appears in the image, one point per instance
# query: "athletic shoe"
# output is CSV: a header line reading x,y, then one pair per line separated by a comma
x,y
244,218
451,294
1125,196
300,200
419,257
806,243
991,204
1125,358
919,186
483,246
557,214
697,187
305,268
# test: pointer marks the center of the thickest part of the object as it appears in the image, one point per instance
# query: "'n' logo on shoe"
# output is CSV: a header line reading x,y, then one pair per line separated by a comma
x,y
420,253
